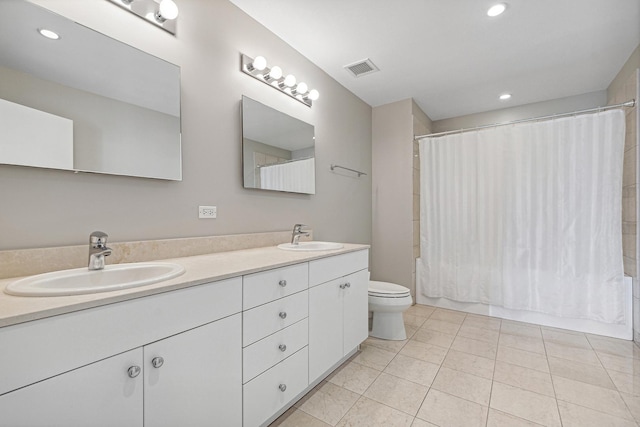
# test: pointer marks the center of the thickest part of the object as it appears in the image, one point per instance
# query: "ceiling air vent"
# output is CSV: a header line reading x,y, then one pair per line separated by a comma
x,y
361,68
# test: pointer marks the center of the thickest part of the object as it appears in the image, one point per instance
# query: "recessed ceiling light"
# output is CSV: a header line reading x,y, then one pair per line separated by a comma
x,y
497,9
505,96
48,34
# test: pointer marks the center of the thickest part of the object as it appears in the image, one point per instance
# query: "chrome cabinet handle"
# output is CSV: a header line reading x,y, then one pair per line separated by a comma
x,y
282,387
282,347
133,371
282,315
157,362
343,285
282,283
347,285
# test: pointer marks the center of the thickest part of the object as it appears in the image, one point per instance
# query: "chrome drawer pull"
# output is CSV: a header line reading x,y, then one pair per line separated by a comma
x,y
282,283
282,347
157,362
282,387
282,315
133,371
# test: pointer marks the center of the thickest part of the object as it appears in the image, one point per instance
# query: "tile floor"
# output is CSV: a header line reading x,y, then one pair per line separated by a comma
x,y
459,369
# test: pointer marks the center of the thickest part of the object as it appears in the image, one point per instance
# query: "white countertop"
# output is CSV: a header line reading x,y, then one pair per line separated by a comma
x,y
199,270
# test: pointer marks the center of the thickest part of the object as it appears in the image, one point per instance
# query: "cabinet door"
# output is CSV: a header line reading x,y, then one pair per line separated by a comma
x,y
356,306
99,394
325,327
200,380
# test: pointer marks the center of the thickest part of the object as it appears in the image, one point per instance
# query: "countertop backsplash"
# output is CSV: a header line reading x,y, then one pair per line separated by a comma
x,y
27,262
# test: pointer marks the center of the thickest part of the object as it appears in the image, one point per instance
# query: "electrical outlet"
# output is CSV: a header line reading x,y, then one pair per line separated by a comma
x,y
207,212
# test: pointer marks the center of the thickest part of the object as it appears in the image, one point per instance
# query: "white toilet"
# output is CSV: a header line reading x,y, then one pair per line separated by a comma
x,y
388,301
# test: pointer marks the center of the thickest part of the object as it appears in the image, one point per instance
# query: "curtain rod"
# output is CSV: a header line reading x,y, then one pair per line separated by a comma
x,y
286,161
631,103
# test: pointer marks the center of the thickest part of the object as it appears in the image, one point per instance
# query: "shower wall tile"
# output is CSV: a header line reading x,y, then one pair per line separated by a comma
x,y
421,126
629,167
629,245
631,130
636,314
630,267
629,205
416,183
629,227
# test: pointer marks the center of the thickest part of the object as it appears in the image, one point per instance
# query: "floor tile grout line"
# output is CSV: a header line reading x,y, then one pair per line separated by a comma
x,y
614,384
599,411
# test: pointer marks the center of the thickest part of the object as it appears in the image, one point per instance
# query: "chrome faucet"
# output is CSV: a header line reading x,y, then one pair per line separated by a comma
x,y
297,232
98,250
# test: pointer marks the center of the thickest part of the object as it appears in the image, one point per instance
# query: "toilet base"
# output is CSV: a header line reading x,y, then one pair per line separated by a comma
x,y
388,326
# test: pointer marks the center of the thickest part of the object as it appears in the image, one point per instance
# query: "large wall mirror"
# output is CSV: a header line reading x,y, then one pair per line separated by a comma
x,y
84,102
278,151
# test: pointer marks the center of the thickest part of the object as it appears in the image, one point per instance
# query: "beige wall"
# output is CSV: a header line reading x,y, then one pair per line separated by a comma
x,y
53,208
396,173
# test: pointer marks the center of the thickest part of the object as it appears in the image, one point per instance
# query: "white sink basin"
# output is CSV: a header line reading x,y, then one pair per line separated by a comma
x,y
84,281
311,246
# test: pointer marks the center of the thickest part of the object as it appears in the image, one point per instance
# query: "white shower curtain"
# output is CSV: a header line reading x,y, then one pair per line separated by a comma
x,y
296,176
526,216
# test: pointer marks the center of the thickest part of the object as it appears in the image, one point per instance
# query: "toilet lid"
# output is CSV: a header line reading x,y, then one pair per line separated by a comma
x,y
386,289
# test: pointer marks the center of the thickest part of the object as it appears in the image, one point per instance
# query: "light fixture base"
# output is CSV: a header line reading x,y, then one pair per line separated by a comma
x,y
245,67
147,10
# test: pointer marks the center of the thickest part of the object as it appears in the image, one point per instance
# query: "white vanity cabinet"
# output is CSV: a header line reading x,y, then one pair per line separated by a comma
x,y
99,394
338,309
230,353
97,367
194,378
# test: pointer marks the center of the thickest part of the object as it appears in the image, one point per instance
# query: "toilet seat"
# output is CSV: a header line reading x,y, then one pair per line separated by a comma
x,y
387,290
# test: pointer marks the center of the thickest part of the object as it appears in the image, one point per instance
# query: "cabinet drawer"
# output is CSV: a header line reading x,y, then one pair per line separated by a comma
x,y
325,269
262,396
264,354
267,286
266,319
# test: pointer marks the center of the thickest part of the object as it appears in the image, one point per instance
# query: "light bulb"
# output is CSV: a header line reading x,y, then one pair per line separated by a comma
x,y
275,73
505,96
313,94
48,34
168,9
260,63
496,9
302,88
290,80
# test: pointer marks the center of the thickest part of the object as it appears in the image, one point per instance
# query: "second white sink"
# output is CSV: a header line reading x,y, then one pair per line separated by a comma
x,y
311,246
79,281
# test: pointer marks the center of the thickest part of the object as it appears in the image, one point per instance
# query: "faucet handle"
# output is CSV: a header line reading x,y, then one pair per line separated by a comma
x,y
98,238
298,227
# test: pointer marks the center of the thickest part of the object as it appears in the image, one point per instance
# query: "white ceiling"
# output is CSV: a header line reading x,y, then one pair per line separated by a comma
x,y
450,57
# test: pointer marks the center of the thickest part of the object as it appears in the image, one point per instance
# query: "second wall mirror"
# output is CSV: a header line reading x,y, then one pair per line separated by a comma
x,y
278,151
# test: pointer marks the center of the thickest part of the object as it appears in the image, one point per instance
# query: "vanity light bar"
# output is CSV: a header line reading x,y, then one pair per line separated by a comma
x,y
162,13
257,68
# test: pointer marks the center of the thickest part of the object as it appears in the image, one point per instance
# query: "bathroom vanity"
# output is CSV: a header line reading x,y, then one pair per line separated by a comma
x,y
235,341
